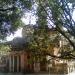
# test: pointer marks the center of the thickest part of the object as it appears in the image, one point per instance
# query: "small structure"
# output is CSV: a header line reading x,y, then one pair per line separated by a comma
x,y
19,57
19,62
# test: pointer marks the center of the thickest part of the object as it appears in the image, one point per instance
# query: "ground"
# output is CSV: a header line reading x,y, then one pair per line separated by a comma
x,y
73,73
21,74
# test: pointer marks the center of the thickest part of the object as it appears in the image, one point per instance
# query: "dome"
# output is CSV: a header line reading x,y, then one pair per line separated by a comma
x,y
19,43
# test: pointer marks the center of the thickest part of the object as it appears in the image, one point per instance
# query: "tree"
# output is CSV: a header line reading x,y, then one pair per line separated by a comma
x,y
59,14
4,49
39,36
11,12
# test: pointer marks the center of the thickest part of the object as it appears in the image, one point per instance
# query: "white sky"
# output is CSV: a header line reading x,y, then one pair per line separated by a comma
x,y
29,19
73,15
18,33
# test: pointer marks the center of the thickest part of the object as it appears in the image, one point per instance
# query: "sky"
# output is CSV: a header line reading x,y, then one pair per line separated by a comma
x,y
18,33
73,16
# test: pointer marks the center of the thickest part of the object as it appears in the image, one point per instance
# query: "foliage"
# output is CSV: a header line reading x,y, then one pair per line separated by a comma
x,y
4,49
43,39
59,13
11,12
39,38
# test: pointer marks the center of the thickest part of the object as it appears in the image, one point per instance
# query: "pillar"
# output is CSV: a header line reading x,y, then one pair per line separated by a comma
x,y
13,63
9,63
17,63
22,62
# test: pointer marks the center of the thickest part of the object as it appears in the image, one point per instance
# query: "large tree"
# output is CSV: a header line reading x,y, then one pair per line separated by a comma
x,y
59,14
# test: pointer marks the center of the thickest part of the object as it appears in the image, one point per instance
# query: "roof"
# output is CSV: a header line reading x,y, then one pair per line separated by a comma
x,y
19,43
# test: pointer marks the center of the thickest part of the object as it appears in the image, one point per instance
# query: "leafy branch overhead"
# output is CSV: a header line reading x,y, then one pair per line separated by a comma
x,y
59,13
11,12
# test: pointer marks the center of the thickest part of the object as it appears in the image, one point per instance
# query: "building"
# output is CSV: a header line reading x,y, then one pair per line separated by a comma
x,y
21,59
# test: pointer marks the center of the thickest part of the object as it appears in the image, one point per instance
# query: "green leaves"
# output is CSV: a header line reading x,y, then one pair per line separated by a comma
x,y
4,49
26,3
11,12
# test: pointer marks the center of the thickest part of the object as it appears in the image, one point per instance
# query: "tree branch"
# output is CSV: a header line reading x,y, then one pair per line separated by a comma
x,y
66,56
60,31
12,8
